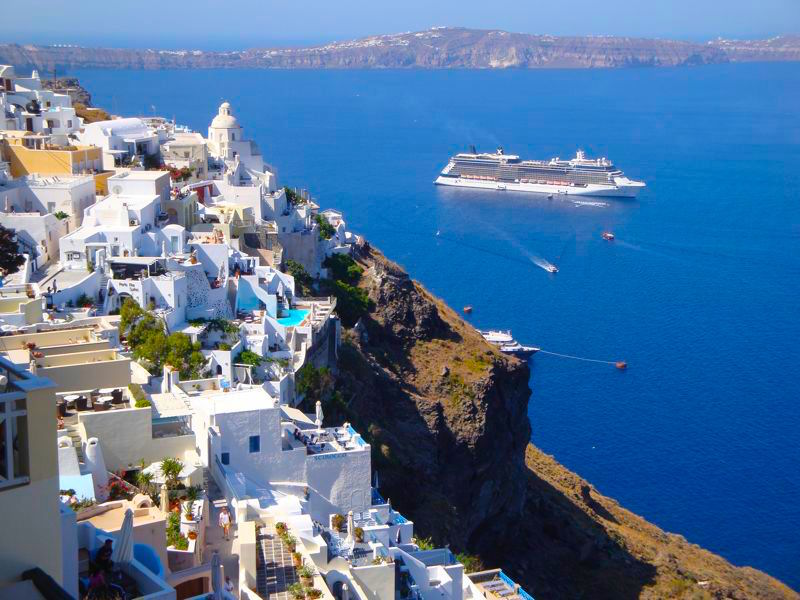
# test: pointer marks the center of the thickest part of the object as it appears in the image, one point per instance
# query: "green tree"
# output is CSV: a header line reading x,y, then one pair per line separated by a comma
x,y
302,279
10,258
315,384
351,302
326,230
342,267
171,470
184,355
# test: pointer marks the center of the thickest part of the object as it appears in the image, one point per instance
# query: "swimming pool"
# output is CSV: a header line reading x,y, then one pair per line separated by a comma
x,y
293,317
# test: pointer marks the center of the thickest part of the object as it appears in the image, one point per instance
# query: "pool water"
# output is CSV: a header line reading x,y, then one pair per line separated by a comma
x,y
294,317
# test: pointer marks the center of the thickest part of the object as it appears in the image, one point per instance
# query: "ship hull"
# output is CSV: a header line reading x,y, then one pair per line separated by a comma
x,y
625,190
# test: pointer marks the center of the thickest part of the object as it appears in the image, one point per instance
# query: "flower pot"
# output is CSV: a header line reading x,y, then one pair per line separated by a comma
x,y
192,535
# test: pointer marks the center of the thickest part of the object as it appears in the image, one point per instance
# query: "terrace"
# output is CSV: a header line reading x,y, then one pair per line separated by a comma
x,y
496,585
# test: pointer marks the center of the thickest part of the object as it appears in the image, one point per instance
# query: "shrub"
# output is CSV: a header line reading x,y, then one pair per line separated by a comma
x,y
424,543
351,302
326,230
223,346
249,357
139,397
337,522
61,215
302,279
342,267
472,563
313,593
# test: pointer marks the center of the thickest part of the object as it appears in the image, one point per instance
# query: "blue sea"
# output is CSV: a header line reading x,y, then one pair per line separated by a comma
x,y
699,293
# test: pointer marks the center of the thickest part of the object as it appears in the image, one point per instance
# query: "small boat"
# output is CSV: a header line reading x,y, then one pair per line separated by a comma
x,y
507,344
549,196
621,365
467,310
551,269
501,187
608,236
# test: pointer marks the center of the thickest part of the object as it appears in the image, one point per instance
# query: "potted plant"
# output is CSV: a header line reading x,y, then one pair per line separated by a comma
x,y
359,533
313,593
306,574
280,528
192,535
297,560
291,542
296,591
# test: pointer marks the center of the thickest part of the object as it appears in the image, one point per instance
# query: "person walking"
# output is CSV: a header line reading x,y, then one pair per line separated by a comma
x,y
225,522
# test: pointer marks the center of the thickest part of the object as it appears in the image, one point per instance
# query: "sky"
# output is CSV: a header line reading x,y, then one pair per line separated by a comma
x,y
236,24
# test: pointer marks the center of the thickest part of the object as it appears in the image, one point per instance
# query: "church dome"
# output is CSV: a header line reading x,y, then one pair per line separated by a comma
x,y
224,119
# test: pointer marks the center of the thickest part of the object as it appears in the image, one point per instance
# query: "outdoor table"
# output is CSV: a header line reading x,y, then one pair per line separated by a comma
x,y
102,403
71,399
81,403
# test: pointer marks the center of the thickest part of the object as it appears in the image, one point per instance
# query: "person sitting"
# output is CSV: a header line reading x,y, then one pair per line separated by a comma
x,y
103,556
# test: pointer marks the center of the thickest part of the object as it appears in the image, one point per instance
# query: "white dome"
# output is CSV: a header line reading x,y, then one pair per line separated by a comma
x,y
224,119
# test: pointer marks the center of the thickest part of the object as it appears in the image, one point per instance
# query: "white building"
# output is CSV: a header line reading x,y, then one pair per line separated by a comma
x,y
123,141
24,104
41,210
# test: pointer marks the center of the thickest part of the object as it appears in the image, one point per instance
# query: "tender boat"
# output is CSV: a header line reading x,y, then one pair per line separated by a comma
x,y
607,235
507,344
551,269
467,310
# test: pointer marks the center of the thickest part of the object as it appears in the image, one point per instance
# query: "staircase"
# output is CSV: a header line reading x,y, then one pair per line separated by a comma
x,y
274,569
77,443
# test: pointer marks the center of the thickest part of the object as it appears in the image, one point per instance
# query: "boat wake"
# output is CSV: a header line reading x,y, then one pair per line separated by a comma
x,y
534,258
543,264
589,203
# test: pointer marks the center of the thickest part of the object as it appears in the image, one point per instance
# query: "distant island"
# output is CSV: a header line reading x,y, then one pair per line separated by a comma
x,y
437,48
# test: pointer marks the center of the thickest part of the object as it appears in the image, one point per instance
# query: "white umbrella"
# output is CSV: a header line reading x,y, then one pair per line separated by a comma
x,y
216,576
158,476
318,420
164,498
350,526
123,549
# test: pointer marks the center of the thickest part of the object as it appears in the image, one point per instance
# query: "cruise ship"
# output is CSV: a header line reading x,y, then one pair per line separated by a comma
x,y
507,344
579,176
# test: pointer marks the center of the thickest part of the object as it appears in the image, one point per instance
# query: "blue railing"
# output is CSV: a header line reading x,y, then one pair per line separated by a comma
x,y
399,519
377,498
518,589
507,579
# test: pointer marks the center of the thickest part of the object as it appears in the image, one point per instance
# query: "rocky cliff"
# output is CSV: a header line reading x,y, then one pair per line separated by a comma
x,y
435,48
446,415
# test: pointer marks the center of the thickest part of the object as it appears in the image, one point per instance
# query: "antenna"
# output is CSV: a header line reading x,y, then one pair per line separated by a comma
x,y
472,149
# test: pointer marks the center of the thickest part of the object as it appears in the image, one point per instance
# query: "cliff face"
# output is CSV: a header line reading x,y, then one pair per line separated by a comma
x,y
435,48
446,415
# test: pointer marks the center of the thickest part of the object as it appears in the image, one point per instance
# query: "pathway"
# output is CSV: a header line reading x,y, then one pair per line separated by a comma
x,y
215,540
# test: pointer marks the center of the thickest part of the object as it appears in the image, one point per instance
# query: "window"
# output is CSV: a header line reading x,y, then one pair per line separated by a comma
x,y
13,442
255,444
225,458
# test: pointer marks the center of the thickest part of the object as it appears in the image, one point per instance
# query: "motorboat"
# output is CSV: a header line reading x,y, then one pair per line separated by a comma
x,y
551,269
608,236
506,343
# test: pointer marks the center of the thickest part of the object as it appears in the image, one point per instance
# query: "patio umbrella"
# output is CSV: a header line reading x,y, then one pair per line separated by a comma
x,y
216,576
350,526
123,549
318,420
163,498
